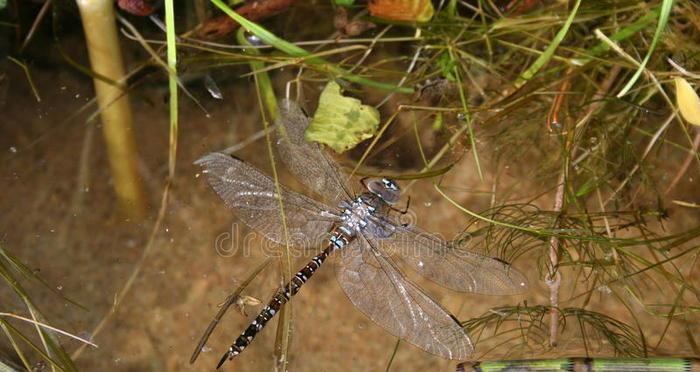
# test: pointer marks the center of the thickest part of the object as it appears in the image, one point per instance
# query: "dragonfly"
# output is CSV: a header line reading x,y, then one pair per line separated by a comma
x,y
366,234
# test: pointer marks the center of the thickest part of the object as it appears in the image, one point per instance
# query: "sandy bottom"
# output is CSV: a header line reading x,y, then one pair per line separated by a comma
x,y
77,240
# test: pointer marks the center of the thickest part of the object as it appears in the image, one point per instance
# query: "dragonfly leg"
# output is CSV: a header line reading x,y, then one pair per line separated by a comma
x,y
404,210
363,181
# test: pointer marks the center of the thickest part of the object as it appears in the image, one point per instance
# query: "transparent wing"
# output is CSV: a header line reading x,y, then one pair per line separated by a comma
x,y
450,266
251,195
307,161
376,287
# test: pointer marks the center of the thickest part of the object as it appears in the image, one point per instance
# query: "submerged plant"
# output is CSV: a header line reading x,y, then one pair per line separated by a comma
x,y
575,116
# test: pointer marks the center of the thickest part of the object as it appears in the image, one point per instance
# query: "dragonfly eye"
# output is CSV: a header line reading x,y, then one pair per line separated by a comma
x,y
384,188
390,184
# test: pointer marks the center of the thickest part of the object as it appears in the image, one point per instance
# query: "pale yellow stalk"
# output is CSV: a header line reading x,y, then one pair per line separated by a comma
x,y
115,112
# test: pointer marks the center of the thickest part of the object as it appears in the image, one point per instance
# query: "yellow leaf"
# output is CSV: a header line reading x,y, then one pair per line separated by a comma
x,y
341,122
687,101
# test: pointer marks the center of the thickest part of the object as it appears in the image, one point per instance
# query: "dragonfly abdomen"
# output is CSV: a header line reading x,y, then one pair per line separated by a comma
x,y
337,240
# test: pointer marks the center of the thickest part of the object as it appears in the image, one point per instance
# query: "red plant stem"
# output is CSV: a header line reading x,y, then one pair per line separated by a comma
x,y
223,25
553,116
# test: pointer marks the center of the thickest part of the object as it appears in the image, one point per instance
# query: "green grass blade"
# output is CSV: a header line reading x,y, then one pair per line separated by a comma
x,y
172,83
623,34
15,346
52,343
14,263
666,7
295,51
546,56
262,78
9,329
468,116
58,351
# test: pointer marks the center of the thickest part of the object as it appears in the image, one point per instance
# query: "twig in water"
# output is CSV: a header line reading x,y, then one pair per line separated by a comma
x,y
553,280
686,163
44,325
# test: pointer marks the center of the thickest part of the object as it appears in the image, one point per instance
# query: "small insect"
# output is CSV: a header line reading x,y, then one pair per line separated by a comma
x,y
362,231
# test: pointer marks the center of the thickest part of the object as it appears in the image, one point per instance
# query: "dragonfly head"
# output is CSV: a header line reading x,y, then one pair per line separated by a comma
x,y
384,188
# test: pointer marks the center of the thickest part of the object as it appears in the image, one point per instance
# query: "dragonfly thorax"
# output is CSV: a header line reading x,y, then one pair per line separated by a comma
x,y
356,214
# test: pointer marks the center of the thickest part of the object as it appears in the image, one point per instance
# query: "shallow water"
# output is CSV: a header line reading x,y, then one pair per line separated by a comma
x,y
58,215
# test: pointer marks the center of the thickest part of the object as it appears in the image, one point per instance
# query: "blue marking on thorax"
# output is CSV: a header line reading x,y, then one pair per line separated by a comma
x,y
355,217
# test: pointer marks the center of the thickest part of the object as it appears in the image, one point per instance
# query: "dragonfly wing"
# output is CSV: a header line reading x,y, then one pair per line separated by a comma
x,y
376,287
307,161
252,196
450,266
